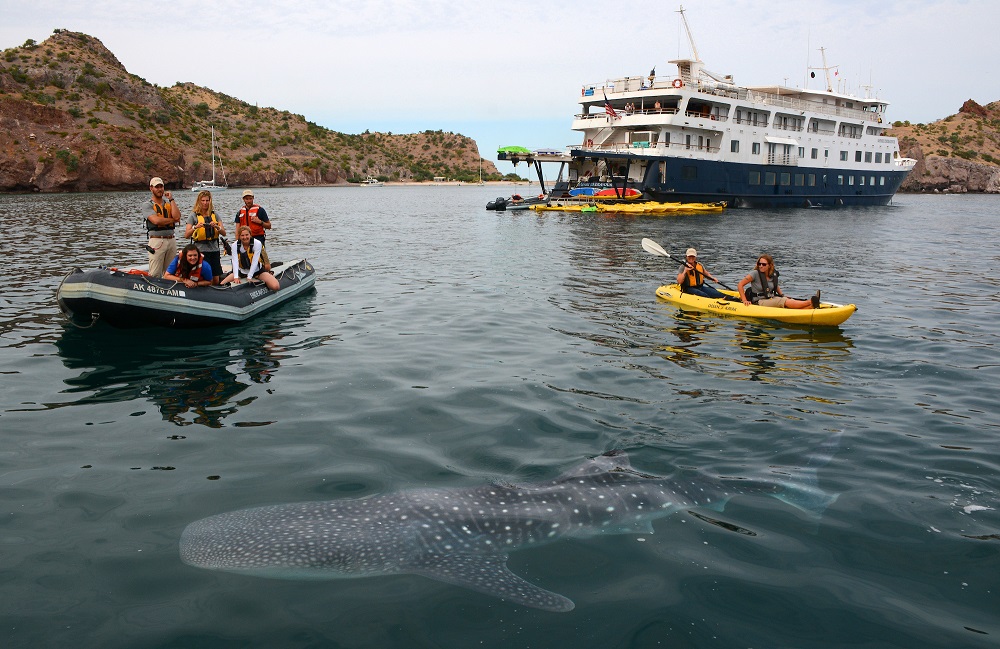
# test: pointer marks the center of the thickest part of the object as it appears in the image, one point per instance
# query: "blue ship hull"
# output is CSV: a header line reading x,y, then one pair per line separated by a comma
x,y
752,185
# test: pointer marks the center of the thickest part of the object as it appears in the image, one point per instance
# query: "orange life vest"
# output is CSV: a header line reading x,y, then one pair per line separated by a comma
x,y
256,229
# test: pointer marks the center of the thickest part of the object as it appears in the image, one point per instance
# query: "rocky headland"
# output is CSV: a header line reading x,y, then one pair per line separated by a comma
x,y
957,154
72,118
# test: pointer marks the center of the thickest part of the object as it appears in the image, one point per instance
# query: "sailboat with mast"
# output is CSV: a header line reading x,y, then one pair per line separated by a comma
x,y
210,185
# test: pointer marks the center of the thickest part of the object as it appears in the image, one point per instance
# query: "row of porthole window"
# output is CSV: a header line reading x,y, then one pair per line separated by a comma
x,y
809,180
867,156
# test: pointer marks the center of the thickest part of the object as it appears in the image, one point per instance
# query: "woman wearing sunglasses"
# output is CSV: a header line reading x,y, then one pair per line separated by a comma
x,y
764,291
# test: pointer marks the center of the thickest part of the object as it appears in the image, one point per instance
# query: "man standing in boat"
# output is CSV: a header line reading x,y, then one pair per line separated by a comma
x,y
254,217
161,216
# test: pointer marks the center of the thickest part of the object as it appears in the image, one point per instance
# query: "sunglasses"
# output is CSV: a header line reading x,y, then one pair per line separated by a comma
x,y
762,263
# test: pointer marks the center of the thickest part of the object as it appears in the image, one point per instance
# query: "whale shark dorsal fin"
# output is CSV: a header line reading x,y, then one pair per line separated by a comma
x,y
487,574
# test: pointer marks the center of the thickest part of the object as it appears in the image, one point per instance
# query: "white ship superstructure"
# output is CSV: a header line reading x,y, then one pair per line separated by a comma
x,y
697,136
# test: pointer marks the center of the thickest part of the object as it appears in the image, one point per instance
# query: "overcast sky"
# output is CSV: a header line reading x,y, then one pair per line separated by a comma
x,y
510,72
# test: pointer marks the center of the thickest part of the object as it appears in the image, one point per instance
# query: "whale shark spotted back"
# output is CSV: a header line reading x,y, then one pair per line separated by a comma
x,y
463,536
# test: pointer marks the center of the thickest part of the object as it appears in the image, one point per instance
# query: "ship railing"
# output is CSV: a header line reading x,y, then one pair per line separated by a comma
x,y
790,127
631,84
714,118
621,113
784,159
646,148
750,121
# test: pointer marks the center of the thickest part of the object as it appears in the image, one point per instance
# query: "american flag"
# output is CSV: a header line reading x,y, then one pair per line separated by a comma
x,y
608,109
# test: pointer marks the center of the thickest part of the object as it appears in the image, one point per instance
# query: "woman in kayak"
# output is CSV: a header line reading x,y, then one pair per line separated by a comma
x,y
764,291
691,277
246,261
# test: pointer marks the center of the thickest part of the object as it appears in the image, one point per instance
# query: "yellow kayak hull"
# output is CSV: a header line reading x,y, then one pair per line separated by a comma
x,y
827,315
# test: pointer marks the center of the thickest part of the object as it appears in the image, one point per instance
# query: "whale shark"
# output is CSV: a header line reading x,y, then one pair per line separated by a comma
x,y
463,536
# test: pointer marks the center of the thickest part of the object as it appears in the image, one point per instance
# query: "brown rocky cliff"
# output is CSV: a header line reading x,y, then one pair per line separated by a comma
x,y
957,154
73,119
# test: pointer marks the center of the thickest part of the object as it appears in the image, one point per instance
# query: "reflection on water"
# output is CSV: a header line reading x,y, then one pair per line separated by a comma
x,y
192,377
754,351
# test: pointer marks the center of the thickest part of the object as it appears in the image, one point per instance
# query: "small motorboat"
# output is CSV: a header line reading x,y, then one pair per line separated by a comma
x,y
515,202
129,297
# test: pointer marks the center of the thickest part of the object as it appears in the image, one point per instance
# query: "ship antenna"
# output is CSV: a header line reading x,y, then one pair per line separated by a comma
x,y
687,29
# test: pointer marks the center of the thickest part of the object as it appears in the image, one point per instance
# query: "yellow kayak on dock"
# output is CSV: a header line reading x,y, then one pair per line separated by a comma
x,y
827,315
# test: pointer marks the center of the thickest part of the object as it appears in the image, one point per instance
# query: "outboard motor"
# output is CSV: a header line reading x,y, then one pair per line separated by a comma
x,y
500,204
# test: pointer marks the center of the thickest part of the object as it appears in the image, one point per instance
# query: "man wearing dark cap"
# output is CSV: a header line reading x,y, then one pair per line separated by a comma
x,y
161,216
255,217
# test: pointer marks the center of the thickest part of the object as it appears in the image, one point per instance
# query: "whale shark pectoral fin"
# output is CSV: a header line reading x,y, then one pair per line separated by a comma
x,y
488,573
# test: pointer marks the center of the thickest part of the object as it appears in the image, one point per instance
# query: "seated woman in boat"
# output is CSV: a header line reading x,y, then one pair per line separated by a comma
x,y
246,261
691,277
190,267
764,291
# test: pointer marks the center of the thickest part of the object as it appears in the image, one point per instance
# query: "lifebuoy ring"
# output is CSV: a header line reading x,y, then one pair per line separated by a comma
x,y
678,83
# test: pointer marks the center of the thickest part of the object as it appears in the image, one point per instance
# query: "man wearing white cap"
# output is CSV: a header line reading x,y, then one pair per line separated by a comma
x,y
254,217
161,216
691,278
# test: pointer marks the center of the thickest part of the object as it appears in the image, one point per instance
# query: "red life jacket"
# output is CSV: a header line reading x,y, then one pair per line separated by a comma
x,y
195,273
256,229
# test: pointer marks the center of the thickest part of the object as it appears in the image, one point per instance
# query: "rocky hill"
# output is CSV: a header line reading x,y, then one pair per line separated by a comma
x,y
72,118
960,153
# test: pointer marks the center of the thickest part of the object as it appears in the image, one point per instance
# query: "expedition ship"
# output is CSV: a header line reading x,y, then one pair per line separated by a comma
x,y
699,137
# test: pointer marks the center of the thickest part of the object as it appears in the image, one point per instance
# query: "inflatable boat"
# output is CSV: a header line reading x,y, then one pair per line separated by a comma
x,y
827,315
131,298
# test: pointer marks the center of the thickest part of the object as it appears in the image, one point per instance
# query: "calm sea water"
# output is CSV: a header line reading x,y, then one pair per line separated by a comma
x,y
447,346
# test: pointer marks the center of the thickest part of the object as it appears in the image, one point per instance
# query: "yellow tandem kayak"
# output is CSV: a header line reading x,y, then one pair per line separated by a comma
x,y
827,315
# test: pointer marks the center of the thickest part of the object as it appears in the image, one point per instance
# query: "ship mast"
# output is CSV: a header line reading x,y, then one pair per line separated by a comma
x,y
826,69
694,48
